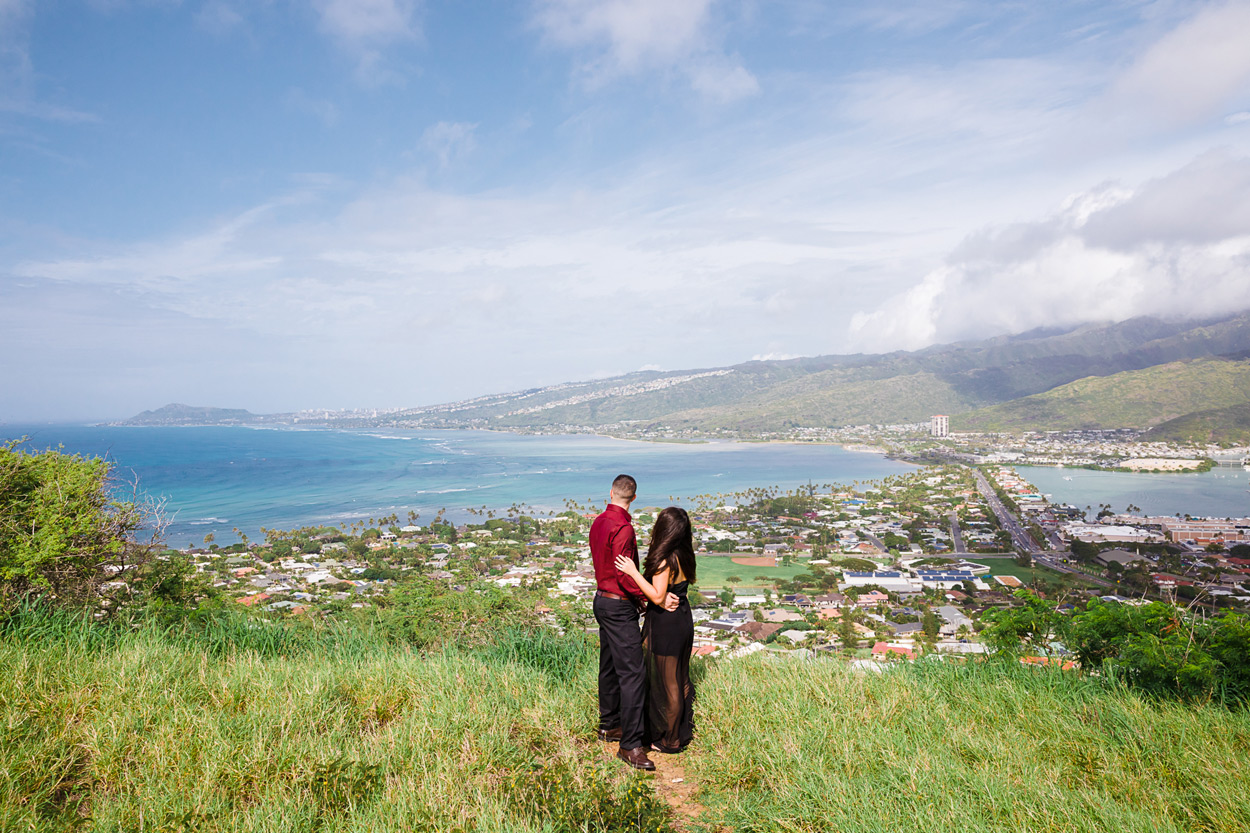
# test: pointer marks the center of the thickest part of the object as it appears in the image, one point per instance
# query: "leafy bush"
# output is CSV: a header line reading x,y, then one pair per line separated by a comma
x,y
1156,648
60,527
1031,626
1162,650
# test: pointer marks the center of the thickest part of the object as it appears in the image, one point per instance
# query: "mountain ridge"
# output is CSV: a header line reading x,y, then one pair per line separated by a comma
x,y
830,391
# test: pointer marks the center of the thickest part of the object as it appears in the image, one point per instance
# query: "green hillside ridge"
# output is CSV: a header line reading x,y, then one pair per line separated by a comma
x,y
812,402
165,730
1132,399
816,392
832,391
1222,426
178,414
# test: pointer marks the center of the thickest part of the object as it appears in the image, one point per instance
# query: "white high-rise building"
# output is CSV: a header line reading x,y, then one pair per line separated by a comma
x,y
939,425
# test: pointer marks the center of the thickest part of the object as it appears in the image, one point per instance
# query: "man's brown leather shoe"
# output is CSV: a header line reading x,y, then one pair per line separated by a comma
x,y
610,734
637,758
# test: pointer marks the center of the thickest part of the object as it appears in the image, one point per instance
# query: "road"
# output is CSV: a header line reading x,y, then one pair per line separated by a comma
x,y
956,540
1020,538
1023,541
875,541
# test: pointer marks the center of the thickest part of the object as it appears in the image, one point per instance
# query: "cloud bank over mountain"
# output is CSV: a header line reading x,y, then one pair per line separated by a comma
x,y
1178,245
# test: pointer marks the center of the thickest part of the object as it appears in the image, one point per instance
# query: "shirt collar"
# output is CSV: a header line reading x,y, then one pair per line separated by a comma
x,y
613,506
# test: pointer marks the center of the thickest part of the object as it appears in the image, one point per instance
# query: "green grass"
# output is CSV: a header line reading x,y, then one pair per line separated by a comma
x,y
982,748
145,730
152,731
1028,575
714,569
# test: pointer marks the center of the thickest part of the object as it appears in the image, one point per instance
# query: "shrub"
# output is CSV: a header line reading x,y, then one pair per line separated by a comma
x,y
62,533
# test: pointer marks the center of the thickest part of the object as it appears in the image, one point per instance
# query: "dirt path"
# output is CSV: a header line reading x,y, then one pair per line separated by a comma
x,y
755,561
670,783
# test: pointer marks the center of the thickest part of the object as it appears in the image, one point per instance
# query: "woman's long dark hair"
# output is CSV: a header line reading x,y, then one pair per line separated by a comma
x,y
672,545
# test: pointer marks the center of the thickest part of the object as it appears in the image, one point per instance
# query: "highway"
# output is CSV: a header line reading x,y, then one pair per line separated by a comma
x,y
1023,541
1020,538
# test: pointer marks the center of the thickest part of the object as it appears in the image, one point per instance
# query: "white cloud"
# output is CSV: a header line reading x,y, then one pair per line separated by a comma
x,y
218,17
15,67
365,29
723,81
17,72
448,141
636,34
1192,73
627,37
321,109
361,23
1178,245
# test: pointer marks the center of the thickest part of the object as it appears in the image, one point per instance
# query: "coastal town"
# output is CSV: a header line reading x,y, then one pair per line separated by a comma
x,y
911,565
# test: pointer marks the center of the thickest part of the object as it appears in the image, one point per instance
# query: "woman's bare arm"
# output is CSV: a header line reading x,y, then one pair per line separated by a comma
x,y
656,589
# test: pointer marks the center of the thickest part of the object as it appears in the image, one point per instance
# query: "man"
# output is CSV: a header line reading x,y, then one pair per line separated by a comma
x,y
618,602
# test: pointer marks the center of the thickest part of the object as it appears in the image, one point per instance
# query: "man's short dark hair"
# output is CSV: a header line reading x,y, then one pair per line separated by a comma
x,y
625,486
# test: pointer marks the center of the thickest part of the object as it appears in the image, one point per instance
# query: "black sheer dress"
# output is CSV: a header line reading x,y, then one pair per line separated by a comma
x,y
668,638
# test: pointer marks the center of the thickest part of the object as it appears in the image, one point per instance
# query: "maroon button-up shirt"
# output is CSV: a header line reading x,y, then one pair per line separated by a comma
x,y
612,534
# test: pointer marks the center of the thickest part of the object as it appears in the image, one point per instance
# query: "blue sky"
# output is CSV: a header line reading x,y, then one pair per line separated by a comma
x,y
285,204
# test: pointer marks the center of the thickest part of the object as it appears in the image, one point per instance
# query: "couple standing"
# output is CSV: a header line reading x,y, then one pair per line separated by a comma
x,y
646,698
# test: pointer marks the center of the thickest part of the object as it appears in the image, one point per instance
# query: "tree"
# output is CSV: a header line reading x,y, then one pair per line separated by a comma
x,y
61,526
846,631
930,624
1032,626
1083,551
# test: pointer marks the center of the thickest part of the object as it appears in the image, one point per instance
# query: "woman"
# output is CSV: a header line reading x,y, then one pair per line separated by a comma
x,y
668,636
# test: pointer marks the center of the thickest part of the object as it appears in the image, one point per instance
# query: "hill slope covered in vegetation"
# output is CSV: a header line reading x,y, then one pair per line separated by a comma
x,y
1224,426
1132,399
155,729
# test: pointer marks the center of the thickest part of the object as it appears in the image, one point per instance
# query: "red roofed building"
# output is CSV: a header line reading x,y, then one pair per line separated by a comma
x,y
872,597
1049,662
249,601
884,651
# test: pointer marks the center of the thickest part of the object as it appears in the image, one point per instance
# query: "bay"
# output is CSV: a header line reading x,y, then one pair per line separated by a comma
x,y
1219,493
214,479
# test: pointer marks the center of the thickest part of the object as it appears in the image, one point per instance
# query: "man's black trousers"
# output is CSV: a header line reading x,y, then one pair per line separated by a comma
x,y
622,676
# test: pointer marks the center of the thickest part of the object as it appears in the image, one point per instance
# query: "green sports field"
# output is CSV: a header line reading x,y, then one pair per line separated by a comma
x,y
714,569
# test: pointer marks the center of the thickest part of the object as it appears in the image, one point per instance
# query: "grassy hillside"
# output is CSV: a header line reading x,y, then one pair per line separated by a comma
x,y
1132,399
1225,426
145,730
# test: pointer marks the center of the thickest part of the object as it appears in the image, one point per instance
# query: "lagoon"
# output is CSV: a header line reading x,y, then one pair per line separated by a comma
x,y
1221,492
214,479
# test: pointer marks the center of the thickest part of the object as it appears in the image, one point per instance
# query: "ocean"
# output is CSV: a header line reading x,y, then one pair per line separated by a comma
x,y
214,479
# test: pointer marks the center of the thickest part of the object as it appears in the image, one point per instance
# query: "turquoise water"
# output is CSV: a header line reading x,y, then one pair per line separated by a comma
x,y
1219,493
215,479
